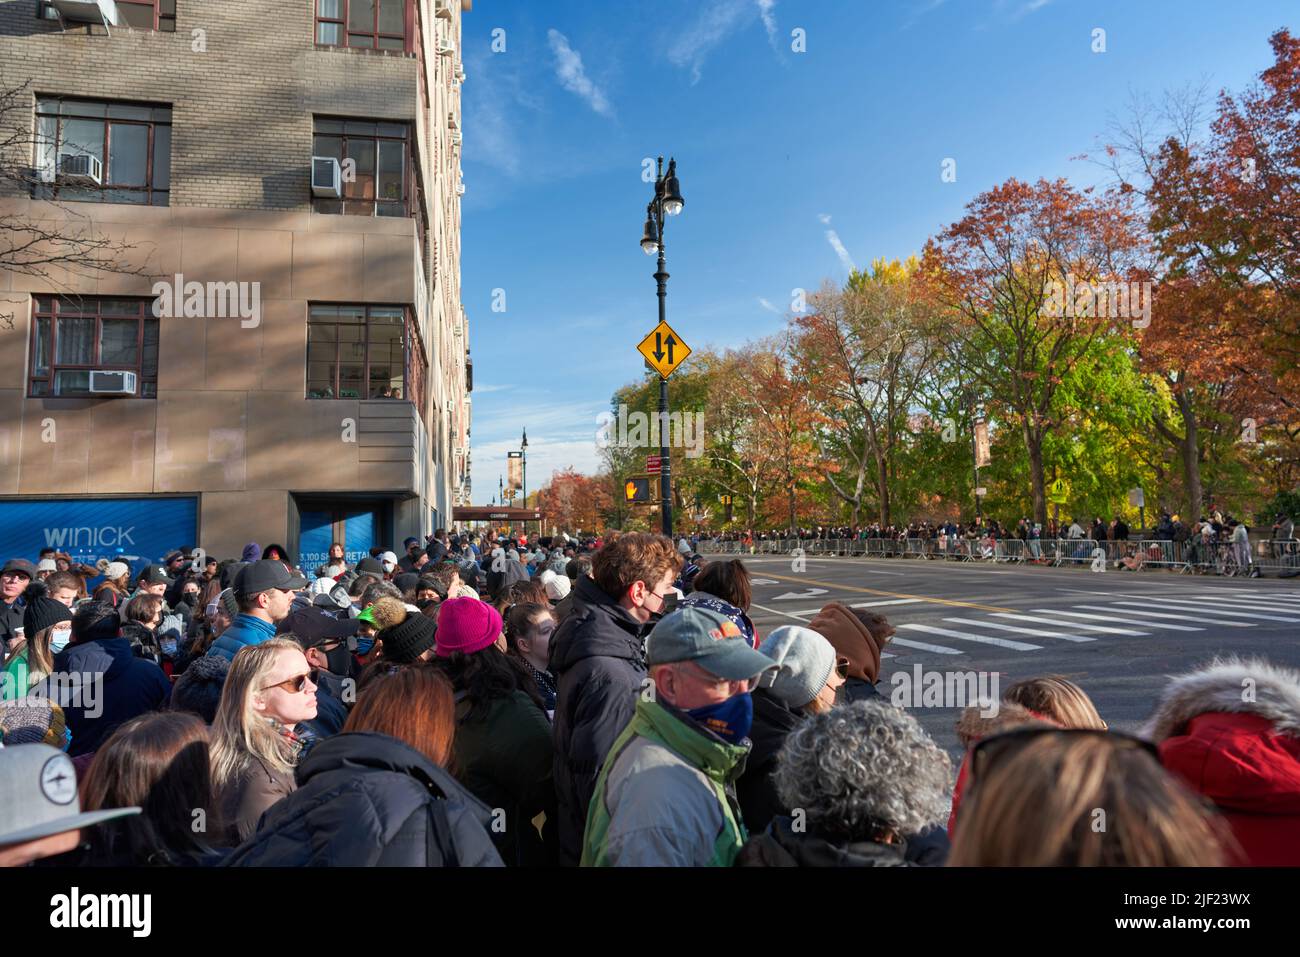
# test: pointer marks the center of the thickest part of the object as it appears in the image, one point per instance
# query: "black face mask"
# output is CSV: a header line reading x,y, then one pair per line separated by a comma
x,y
341,662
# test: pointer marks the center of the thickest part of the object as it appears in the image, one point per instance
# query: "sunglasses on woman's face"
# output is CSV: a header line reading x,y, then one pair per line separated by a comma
x,y
842,666
996,747
297,683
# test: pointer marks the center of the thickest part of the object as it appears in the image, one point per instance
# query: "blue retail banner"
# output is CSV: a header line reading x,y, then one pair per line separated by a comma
x,y
133,530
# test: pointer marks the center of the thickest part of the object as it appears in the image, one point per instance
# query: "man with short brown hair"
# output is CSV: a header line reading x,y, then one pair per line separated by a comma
x,y
598,659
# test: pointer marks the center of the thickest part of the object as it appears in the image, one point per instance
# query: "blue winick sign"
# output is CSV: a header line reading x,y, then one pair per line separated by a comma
x,y
132,530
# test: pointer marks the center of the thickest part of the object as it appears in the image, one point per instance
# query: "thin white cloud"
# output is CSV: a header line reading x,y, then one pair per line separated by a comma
x,y
766,304
928,6
573,76
483,389
833,238
714,24
767,11
1032,6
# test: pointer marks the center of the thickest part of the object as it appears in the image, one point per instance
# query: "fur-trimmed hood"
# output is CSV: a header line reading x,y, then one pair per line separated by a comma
x,y
1228,686
973,726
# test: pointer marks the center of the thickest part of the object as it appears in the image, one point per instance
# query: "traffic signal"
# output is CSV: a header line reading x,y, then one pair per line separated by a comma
x,y
637,490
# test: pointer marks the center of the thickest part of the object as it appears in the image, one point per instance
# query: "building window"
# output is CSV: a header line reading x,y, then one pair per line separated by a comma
x,y
364,352
102,152
148,14
71,336
368,24
137,14
375,158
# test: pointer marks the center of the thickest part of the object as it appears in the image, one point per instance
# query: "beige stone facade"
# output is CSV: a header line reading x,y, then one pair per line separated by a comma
x,y
232,423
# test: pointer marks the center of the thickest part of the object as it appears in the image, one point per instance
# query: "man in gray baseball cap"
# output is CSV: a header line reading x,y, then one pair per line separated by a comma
x,y
40,812
666,795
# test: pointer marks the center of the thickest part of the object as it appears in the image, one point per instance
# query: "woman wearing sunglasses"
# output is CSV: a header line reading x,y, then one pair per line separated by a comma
x,y
806,683
269,691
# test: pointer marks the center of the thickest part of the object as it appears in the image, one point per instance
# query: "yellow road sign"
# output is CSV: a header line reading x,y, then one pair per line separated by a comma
x,y
1058,493
663,349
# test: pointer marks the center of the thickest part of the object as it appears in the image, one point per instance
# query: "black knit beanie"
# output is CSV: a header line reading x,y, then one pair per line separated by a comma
x,y
405,641
42,610
198,689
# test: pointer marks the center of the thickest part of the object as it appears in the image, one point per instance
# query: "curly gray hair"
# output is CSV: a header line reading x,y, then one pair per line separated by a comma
x,y
862,767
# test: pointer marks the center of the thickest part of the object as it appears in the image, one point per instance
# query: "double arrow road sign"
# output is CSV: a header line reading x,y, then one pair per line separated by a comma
x,y
664,350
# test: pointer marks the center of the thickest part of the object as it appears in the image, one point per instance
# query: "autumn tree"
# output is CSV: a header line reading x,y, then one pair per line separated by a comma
x,y
1012,273
864,353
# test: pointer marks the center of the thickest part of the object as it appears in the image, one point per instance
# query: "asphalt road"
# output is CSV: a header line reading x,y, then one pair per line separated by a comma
x,y
1116,634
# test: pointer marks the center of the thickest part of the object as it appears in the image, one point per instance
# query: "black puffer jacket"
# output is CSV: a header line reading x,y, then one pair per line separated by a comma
x,y
367,800
781,847
773,722
598,659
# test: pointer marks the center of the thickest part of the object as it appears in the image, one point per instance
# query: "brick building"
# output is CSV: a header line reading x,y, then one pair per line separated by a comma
x,y
297,351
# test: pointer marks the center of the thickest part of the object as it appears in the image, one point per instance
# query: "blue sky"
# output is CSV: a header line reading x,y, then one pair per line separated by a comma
x,y
794,165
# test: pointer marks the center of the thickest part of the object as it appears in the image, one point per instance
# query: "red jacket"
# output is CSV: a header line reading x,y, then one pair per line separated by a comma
x,y
1242,755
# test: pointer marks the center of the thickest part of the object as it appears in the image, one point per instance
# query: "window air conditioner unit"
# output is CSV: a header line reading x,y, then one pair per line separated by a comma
x,y
326,177
456,137
81,169
460,73
442,9
112,383
446,48
87,11
460,189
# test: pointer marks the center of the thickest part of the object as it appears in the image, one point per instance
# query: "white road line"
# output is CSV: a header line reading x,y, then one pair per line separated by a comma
x,y
1137,610
1115,620
1051,621
1040,632
922,646
797,616
1199,606
1254,604
982,639
866,604
1285,596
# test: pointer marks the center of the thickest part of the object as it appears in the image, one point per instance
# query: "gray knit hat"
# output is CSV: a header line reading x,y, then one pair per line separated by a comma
x,y
806,660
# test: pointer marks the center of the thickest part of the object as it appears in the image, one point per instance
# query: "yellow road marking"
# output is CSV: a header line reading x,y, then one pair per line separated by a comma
x,y
876,591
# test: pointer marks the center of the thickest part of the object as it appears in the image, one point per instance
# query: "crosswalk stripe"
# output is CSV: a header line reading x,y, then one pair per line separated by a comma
x,y
1040,632
1139,611
1051,621
866,604
982,639
1218,609
1255,604
1252,593
922,646
1115,620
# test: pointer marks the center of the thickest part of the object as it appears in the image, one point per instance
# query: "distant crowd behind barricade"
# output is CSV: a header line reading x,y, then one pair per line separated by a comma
x,y
577,701
1215,543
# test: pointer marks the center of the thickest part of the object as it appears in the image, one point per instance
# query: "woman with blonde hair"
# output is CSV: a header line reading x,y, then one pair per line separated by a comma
x,y
47,627
1047,701
1060,797
1058,699
255,748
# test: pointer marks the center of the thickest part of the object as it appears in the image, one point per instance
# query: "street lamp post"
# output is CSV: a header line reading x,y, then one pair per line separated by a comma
x,y
667,202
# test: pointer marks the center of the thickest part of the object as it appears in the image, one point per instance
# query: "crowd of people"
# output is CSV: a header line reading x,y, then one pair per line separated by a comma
x,y
1206,543
595,702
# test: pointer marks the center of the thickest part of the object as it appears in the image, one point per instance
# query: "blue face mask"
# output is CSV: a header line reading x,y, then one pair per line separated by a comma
x,y
364,645
730,719
59,639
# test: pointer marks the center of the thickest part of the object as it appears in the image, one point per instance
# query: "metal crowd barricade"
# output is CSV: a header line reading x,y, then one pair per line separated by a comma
x,y
1073,551
1279,555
